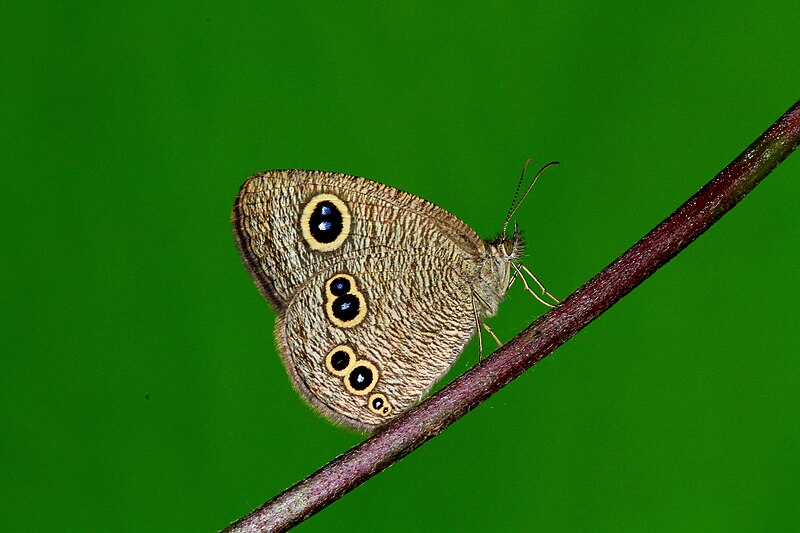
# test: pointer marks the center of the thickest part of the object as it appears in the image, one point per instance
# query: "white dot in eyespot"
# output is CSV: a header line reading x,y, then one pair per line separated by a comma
x,y
326,210
324,226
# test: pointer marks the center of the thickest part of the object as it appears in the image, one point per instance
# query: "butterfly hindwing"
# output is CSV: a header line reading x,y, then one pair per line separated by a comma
x,y
406,340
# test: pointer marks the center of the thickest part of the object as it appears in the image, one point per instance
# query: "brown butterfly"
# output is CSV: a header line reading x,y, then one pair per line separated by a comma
x,y
377,291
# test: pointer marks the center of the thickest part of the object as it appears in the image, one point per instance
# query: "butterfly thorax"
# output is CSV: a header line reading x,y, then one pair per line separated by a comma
x,y
494,271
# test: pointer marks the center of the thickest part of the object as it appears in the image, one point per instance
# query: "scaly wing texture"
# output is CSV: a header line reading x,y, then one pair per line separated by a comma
x,y
411,263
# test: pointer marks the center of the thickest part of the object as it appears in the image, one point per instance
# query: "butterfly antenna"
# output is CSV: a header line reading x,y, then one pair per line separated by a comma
x,y
516,193
513,209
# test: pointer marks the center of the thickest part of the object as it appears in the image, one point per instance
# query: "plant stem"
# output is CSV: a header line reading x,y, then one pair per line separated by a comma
x,y
547,333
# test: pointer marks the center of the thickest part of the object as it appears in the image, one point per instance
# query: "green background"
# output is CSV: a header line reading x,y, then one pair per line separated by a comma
x,y
140,389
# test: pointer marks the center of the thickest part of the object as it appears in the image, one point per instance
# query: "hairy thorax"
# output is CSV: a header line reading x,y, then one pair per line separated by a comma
x,y
494,272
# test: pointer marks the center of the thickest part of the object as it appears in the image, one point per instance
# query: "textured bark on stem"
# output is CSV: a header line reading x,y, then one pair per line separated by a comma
x,y
538,340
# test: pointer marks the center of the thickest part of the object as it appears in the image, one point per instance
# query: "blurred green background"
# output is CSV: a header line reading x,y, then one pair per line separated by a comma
x,y
140,389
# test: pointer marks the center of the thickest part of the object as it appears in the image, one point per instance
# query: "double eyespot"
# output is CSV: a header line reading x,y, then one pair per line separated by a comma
x,y
325,222
359,377
379,405
345,306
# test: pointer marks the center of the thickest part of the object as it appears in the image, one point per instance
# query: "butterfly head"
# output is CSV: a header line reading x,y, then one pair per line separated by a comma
x,y
494,272
510,248
507,250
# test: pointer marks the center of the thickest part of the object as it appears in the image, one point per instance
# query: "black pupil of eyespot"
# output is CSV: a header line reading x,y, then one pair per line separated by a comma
x,y
325,223
377,403
339,360
345,307
340,286
360,378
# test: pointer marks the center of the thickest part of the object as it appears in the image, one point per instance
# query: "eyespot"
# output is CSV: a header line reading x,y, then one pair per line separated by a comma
x,y
345,305
361,378
339,286
325,222
379,405
339,360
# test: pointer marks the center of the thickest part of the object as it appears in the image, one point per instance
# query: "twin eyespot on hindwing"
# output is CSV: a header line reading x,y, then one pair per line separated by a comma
x,y
345,305
325,225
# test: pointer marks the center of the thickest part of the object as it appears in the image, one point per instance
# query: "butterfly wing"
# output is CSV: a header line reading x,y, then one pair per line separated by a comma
x,y
372,286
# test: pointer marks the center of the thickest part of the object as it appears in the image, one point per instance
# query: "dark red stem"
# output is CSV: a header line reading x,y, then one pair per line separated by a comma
x,y
546,334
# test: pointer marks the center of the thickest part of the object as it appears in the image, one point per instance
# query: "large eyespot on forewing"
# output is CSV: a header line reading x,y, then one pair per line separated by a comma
x,y
325,222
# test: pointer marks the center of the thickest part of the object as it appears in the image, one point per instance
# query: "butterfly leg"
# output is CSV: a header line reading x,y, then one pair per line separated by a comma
x,y
539,283
528,288
478,327
491,332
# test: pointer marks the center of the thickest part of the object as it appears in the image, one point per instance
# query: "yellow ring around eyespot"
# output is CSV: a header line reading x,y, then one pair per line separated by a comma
x,y
306,217
330,298
386,410
343,348
375,375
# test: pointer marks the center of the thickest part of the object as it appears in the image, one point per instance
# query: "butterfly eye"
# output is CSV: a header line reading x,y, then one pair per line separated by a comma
x,y
339,360
362,378
379,405
325,222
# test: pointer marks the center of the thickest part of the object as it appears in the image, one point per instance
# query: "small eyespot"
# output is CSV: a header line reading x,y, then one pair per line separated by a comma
x,y
379,405
339,286
325,222
361,378
339,360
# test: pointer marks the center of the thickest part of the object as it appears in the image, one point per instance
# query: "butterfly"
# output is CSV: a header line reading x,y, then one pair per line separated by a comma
x,y
376,291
